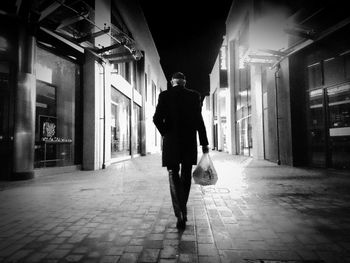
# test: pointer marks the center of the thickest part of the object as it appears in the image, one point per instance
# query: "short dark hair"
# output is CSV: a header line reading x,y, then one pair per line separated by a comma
x,y
178,75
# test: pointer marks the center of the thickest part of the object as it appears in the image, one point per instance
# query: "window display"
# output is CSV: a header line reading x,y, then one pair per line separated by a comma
x,y
243,114
120,125
339,125
137,130
56,125
316,129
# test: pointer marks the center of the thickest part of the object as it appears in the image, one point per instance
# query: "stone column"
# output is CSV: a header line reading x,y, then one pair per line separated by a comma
x,y
257,111
142,84
24,128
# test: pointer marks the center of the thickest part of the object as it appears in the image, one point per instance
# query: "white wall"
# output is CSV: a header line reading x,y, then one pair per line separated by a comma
x,y
137,24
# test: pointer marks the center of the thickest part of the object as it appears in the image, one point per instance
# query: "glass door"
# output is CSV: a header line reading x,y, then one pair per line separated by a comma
x,y
120,125
136,147
5,136
339,125
316,129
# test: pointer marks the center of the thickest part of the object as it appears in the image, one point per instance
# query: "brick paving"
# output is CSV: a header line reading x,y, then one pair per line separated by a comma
x,y
257,212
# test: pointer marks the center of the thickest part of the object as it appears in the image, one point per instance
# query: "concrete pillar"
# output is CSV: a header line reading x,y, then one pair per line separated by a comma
x,y
231,102
257,112
271,145
24,128
284,114
97,85
103,19
219,119
90,122
141,82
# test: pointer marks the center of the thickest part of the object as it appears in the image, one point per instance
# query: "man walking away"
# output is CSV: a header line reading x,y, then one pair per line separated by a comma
x,y
178,117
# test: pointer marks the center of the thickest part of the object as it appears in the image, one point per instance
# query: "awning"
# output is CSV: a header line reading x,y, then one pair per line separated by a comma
x,y
73,21
300,30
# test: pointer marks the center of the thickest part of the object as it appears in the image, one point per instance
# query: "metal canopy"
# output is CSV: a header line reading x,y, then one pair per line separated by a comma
x,y
73,21
310,27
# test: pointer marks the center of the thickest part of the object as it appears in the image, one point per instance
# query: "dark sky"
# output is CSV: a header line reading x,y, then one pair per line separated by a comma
x,y
188,35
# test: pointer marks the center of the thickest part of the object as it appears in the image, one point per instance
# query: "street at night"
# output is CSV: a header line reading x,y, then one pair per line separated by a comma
x,y
174,131
256,211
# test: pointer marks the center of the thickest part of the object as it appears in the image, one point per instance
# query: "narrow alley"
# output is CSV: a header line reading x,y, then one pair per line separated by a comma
x,y
257,212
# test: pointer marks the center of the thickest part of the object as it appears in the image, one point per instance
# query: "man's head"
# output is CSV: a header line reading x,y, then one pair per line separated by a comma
x,y
178,78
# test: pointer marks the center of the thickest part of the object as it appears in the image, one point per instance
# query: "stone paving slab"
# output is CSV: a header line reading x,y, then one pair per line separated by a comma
x,y
257,212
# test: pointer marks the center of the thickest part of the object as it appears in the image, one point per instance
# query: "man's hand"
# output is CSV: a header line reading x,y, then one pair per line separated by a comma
x,y
205,148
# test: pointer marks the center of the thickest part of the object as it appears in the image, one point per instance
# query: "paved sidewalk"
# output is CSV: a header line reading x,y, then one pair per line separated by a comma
x,y
257,212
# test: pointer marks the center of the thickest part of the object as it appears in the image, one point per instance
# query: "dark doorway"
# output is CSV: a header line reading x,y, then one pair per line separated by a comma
x,y
6,138
329,112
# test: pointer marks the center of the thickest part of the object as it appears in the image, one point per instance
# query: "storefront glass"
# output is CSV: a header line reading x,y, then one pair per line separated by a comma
x,y
316,129
120,125
5,142
329,112
136,146
57,114
339,125
243,113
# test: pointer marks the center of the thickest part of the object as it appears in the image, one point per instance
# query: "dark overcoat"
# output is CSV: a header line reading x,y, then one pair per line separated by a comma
x,y
178,117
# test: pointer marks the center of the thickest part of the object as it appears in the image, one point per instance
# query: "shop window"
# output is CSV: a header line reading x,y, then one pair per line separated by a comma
x,y
137,130
207,103
120,124
314,75
134,74
339,125
316,129
127,75
146,86
125,70
250,136
243,96
244,134
5,120
215,106
347,66
154,95
334,70
57,111
4,100
339,106
243,131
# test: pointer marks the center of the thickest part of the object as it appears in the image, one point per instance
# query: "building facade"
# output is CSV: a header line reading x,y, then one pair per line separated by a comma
x,y
218,100
288,82
79,81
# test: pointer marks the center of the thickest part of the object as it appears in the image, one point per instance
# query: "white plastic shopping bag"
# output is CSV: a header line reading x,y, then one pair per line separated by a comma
x,y
204,173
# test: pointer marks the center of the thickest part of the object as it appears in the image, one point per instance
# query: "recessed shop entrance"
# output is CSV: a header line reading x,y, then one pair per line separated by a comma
x,y
6,138
329,113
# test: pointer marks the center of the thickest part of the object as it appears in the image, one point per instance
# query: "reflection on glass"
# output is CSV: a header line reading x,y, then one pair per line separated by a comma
x,y
314,75
137,130
243,110
245,136
56,120
333,70
5,102
339,125
316,128
120,125
339,101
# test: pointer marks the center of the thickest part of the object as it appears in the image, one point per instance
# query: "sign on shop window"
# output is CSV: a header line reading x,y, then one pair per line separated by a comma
x,y
48,127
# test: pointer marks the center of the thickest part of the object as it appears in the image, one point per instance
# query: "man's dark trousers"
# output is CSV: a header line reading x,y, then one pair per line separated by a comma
x,y
180,185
